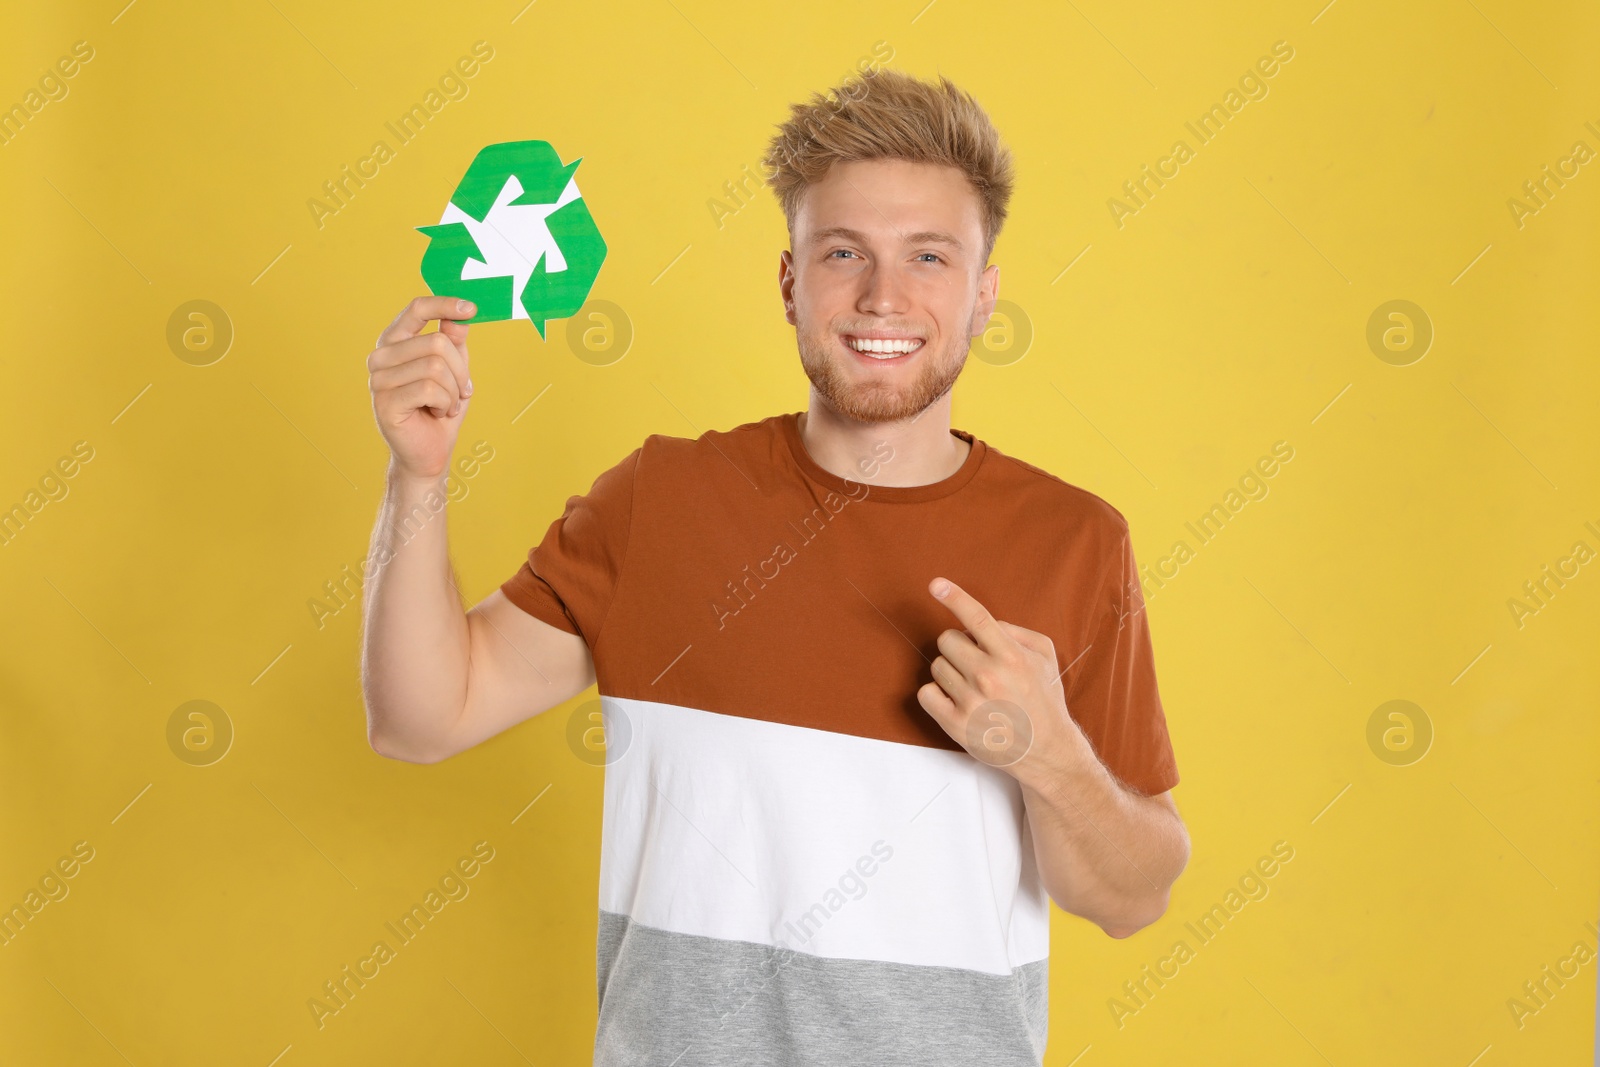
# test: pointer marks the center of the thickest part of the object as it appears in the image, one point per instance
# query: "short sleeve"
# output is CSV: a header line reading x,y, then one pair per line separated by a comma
x,y
1112,694
570,578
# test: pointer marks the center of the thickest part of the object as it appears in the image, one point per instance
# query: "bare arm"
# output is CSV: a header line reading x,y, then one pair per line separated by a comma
x,y
1103,851
437,679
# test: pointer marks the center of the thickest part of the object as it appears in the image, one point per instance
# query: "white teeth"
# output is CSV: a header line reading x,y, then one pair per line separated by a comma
x,y
898,346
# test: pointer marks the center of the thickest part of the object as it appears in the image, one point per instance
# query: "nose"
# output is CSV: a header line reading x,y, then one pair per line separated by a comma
x,y
882,291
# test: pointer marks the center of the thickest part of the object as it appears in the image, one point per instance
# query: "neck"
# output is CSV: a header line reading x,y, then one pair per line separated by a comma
x,y
921,450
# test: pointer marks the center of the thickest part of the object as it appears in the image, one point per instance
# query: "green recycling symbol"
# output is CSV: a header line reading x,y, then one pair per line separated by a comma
x,y
517,238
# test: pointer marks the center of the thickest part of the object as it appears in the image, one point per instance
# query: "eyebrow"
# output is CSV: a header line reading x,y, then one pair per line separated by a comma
x,y
918,238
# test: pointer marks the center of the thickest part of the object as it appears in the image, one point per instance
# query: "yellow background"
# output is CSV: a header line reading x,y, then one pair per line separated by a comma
x,y
1228,314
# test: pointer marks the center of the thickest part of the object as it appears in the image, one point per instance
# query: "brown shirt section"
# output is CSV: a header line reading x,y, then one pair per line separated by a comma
x,y
733,574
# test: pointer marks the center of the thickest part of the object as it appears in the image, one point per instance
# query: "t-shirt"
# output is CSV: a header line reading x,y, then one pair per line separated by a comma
x,y
798,865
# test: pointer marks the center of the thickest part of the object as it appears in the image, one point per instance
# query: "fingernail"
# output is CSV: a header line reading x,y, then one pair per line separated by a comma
x,y
940,588
469,386
464,306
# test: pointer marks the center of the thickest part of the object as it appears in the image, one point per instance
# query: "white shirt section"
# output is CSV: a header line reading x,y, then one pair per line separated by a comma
x,y
513,238
747,830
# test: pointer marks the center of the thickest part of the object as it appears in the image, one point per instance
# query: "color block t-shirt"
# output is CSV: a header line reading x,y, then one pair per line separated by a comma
x,y
798,865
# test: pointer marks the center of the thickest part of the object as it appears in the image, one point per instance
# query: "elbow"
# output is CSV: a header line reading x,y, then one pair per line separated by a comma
x,y
389,748
403,755
393,735
1153,906
1121,931
382,746
1127,926
1122,923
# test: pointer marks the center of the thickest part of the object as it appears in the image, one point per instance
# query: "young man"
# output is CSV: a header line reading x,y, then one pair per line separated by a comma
x,y
874,692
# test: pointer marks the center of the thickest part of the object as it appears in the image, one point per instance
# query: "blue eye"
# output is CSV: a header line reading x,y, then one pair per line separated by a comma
x,y
935,256
838,251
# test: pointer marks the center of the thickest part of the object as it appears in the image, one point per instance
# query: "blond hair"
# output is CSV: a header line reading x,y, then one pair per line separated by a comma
x,y
884,114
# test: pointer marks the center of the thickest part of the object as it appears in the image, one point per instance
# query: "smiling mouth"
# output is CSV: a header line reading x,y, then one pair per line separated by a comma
x,y
882,349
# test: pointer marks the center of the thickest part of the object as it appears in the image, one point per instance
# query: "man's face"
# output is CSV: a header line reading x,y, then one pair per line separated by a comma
x,y
887,254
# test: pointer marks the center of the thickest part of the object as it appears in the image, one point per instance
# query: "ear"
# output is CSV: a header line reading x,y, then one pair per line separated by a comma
x,y
786,285
988,293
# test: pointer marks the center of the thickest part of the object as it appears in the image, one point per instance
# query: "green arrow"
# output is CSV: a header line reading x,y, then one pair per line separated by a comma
x,y
449,248
559,295
536,165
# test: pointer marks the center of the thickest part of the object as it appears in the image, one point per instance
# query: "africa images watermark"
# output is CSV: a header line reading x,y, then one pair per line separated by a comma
x,y
1539,591
1252,886
1538,192
345,588
340,190
51,86
1537,993
53,486
741,592
1252,487
1252,86
338,992
850,886
52,888
743,189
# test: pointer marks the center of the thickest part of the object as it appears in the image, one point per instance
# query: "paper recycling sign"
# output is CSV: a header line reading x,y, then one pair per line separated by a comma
x,y
516,238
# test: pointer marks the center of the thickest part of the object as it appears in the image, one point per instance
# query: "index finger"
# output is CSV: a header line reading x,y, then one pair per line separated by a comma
x,y
420,312
973,615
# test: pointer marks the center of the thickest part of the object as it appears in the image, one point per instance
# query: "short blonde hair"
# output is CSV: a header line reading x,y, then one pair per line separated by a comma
x,y
884,114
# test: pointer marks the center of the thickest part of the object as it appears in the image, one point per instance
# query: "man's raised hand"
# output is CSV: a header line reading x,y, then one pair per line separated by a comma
x,y
420,385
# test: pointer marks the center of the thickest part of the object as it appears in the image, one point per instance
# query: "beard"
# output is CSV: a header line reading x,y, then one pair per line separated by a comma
x,y
883,395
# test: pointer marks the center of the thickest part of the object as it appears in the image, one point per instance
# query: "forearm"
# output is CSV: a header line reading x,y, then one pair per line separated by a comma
x,y
415,643
1104,853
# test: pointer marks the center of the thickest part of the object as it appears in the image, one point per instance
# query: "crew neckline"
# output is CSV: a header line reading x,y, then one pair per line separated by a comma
x,y
889,494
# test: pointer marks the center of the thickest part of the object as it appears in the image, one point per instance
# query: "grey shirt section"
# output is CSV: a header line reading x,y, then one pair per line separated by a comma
x,y
687,1001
